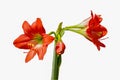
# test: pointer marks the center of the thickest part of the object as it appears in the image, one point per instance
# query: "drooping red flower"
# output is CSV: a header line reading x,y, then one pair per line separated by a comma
x,y
60,47
34,38
94,30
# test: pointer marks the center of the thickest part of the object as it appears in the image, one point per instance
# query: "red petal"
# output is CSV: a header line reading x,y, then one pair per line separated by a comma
x,y
104,30
47,39
101,44
27,28
30,55
23,45
37,26
41,52
98,47
95,20
91,13
22,41
98,44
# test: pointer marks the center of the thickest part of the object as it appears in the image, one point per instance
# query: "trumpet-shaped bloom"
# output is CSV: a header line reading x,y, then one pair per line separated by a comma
x,y
60,47
94,30
34,38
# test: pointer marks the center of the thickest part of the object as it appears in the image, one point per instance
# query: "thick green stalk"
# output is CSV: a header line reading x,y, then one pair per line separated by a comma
x,y
55,65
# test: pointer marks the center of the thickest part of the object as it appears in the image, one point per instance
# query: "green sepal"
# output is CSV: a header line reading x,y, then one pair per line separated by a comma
x,y
60,31
59,28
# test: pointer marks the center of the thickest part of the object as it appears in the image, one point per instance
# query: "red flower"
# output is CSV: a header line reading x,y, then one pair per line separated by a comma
x,y
60,47
94,30
34,38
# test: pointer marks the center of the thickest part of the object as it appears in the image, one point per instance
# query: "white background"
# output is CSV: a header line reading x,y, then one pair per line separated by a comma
x,y
81,60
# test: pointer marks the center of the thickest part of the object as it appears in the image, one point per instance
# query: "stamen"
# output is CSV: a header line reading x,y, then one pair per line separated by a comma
x,y
25,52
30,45
104,38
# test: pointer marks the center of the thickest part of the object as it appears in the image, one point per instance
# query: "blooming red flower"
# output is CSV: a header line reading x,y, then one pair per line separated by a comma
x,y
60,47
94,30
34,38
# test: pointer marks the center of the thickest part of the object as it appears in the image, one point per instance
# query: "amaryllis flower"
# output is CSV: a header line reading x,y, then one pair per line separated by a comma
x,y
60,47
94,30
34,38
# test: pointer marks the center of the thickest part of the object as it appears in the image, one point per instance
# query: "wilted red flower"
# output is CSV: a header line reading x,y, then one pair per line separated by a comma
x,y
34,38
94,30
60,47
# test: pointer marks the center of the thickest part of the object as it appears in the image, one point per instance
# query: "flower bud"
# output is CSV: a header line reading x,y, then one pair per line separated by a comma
x,y
60,47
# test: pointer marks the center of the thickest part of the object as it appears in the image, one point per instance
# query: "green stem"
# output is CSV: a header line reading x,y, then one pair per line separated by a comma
x,y
79,30
75,26
55,65
52,32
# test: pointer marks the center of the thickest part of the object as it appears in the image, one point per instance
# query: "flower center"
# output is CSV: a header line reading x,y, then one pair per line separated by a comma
x,y
95,34
99,34
38,38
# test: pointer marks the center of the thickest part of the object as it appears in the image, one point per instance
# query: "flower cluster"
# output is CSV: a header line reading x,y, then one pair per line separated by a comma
x,y
36,40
